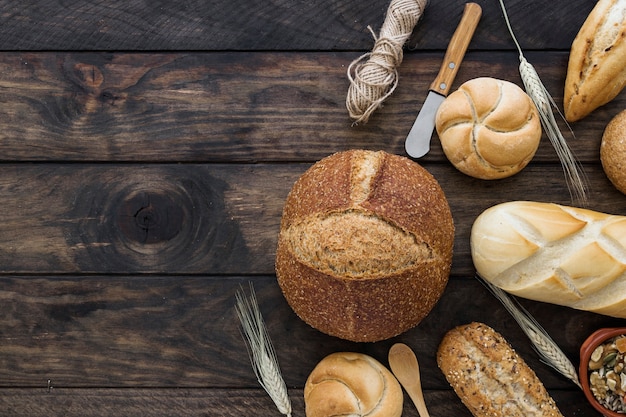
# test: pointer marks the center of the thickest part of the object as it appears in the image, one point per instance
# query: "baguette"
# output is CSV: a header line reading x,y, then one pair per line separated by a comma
x,y
596,72
489,377
556,254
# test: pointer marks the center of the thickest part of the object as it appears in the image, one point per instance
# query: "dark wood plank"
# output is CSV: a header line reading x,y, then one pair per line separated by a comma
x,y
205,107
213,402
272,25
162,331
199,218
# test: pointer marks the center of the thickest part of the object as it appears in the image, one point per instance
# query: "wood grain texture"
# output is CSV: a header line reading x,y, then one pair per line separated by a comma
x,y
199,218
214,107
163,331
269,25
203,402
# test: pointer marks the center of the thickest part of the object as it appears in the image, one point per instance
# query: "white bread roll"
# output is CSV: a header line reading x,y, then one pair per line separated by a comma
x,y
365,245
352,384
613,151
596,72
488,128
489,377
556,254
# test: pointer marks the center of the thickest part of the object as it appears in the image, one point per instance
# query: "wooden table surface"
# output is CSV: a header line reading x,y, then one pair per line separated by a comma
x,y
146,151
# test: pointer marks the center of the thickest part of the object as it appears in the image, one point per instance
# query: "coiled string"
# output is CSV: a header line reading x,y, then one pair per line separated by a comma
x,y
374,75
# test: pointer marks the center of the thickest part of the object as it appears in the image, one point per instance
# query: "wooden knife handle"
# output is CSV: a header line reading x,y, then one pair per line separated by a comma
x,y
456,49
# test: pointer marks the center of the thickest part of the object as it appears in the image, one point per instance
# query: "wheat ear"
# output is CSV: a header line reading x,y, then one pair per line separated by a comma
x,y
574,175
261,350
548,350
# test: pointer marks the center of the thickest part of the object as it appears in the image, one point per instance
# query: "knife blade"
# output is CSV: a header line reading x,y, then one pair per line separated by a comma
x,y
417,142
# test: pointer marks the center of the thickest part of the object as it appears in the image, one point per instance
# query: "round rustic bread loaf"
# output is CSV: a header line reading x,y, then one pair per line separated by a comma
x,y
613,151
365,245
352,384
489,128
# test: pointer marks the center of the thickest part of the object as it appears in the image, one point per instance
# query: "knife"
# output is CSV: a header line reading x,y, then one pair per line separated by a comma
x,y
418,140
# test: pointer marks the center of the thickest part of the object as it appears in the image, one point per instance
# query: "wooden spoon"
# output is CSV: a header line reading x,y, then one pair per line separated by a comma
x,y
404,366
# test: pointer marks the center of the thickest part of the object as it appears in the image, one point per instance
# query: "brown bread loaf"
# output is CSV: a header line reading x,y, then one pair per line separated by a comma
x,y
489,377
613,151
552,253
365,245
352,384
596,72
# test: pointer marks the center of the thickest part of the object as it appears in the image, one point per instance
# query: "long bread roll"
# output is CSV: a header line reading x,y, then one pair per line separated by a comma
x,y
556,254
596,72
489,377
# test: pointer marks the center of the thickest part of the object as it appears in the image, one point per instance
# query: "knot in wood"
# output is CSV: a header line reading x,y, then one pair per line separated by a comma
x,y
88,75
150,217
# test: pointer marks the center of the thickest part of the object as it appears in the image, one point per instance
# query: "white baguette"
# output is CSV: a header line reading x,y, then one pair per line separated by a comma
x,y
556,254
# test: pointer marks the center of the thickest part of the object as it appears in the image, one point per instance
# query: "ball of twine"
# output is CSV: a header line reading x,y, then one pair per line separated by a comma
x,y
374,75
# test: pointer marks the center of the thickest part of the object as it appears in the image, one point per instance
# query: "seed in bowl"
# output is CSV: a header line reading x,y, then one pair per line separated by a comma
x,y
607,374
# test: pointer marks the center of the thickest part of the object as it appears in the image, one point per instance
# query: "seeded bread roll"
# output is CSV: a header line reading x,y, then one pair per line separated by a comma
x,y
613,151
352,384
489,377
365,245
596,72
489,128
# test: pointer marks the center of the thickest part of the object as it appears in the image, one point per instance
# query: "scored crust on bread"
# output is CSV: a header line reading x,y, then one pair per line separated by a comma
x,y
352,384
365,246
489,128
552,253
596,71
489,377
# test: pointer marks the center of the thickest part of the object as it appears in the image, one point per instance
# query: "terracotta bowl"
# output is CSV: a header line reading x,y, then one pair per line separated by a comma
x,y
587,348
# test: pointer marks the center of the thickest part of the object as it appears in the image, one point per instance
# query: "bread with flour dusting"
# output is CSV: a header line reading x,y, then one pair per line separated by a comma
x,y
553,253
596,72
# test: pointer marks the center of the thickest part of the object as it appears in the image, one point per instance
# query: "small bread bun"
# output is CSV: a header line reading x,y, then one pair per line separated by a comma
x,y
365,245
613,151
352,384
489,128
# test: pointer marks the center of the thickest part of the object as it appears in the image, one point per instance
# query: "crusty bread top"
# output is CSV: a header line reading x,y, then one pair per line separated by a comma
x,y
613,151
361,214
553,253
489,377
596,71
489,128
352,384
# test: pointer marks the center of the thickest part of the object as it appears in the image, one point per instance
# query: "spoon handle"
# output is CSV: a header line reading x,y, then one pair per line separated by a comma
x,y
418,399
405,367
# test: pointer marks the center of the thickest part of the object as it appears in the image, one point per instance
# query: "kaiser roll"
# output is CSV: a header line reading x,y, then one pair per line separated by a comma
x,y
365,245
613,151
489,128
352,384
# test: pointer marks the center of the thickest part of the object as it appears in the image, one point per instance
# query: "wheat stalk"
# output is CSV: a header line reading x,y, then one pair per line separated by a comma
x,y
548,350
261,350
574,175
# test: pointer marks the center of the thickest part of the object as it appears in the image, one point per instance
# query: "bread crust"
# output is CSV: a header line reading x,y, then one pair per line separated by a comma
x,y
613,151
489,128
552,253
489,377
354,384
376,296
596,71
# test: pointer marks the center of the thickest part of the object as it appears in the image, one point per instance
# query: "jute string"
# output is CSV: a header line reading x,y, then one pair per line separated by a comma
x,y
374,75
